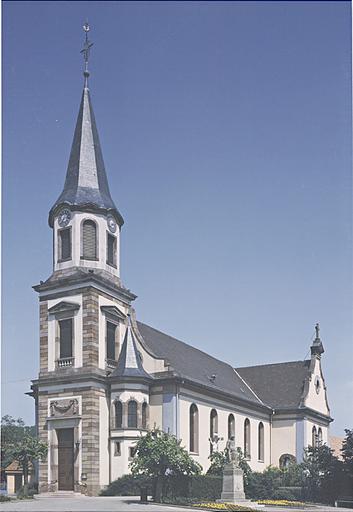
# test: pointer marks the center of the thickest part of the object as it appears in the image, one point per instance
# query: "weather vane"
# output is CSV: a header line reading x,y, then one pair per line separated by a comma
x,y
85,51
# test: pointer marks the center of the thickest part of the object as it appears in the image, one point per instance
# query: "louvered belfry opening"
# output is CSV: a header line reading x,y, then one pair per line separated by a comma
x,y
89,240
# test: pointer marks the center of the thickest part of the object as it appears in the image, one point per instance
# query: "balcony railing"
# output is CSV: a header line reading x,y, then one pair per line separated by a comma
x,y
65,362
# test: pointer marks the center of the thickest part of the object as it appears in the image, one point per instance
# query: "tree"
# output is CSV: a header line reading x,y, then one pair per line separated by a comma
x,y
347,452
18,442
160,455
322,472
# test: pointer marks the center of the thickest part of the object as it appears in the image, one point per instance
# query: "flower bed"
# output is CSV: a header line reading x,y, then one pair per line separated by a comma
x,y
282,503
223,506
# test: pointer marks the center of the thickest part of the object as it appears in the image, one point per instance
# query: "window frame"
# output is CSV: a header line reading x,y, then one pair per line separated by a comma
x,y
261,442
82,255
231,425
129,414
247,439
65,319
113,263
144,416
116,325
67,229
117,412
194,429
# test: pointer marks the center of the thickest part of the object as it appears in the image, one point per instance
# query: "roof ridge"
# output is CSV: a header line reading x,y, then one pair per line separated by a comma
x,y
271,364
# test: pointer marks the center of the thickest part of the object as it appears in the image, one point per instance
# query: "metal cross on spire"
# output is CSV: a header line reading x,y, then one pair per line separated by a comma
x,y
86,51
317,330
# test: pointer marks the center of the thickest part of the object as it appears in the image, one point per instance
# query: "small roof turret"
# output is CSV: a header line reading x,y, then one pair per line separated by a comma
x,y
129,362
317,347
86,185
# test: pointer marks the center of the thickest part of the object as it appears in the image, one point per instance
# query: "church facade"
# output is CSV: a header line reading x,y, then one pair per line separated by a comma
x,y
105,378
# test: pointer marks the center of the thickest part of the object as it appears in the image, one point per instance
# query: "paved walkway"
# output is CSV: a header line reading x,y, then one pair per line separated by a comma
x,y
118,504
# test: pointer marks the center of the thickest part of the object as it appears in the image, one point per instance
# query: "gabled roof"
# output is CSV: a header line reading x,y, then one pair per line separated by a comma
x,y
129,362
86,185
279,385
195,365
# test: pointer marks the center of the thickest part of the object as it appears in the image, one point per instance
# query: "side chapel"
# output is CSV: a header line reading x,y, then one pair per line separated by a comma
x,y
105,378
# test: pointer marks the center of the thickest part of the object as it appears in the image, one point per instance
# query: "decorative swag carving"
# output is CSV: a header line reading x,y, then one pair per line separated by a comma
x,y
64,407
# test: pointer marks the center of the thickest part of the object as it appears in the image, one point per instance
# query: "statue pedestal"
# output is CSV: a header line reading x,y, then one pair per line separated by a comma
x,y
233,485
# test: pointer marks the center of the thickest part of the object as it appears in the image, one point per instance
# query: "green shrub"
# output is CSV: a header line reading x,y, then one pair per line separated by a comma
x,y
281,494
296,492
262,486
4,498
205,487
197,487
128,485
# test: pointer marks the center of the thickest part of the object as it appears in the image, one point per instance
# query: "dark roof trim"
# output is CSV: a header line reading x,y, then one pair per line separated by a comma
x,y
63,307
113,312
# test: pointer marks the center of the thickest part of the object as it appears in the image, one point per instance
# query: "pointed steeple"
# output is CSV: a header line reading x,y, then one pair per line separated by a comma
x,y
129,362
86,185
317,347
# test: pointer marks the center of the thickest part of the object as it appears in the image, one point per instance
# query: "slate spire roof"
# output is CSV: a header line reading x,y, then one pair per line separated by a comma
x,y
129,362
86,185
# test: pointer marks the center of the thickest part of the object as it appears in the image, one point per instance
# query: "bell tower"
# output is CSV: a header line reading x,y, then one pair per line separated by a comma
x,y
83,317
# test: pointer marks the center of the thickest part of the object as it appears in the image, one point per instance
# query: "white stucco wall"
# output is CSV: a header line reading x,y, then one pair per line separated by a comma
x,y
205,406
75,223
283,438
316,400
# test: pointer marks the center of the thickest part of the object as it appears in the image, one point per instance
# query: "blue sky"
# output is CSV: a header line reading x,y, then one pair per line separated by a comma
x,y
226,134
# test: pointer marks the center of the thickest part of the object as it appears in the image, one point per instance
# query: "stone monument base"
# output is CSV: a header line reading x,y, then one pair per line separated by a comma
x,y
233,485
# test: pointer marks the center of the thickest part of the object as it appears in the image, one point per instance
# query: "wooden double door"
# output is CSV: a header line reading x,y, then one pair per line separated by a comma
x,y
65,459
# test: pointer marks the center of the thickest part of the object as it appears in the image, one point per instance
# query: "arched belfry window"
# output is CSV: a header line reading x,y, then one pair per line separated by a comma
x,y
118,414
313,437
144,414
194,428
132,414
261,446
247,438
231,426
89,240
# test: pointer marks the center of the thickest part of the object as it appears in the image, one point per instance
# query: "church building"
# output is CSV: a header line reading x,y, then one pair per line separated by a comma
x,y
105,378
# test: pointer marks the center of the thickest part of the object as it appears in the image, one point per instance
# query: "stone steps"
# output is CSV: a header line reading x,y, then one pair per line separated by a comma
x,y
58,494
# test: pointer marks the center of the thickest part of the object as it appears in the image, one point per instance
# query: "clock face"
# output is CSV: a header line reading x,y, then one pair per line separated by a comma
x,y
111,224
64,217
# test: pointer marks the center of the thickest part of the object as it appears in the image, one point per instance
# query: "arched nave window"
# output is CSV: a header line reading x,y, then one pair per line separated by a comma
x,y
231,426
132,414
319,436
247,438
313,437
144,415
194,428
213,426
118,414
261,447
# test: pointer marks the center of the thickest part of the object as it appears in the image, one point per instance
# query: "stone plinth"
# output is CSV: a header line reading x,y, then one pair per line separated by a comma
x,y
233,485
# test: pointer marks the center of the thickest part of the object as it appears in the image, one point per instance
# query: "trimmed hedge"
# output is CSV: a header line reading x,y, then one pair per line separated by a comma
x,y
200,487
128,485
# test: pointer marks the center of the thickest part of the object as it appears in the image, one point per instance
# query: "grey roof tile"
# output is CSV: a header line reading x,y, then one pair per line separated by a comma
x,y
195,365
279,385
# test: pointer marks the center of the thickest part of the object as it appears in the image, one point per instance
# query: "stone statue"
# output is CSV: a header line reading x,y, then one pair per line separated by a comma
x,y
232,453
214,440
